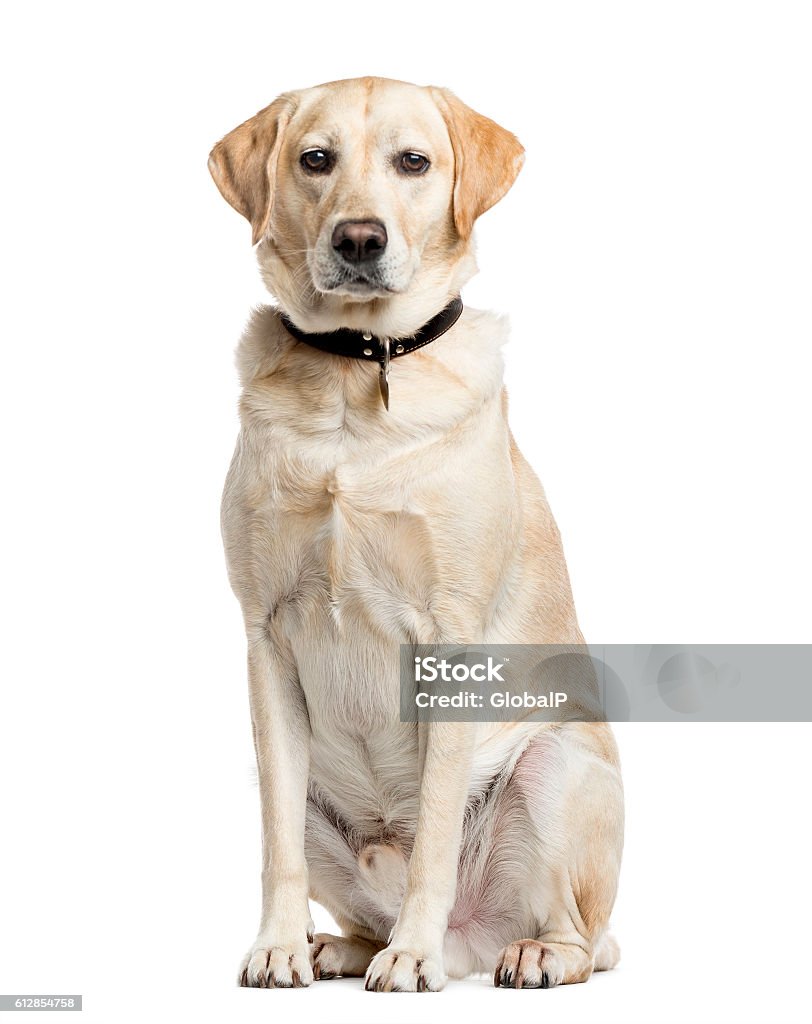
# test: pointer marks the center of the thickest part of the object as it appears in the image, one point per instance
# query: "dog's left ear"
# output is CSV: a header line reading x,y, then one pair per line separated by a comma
x,y
243,163
487,159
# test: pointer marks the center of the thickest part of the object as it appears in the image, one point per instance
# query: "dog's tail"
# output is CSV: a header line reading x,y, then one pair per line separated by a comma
x,y
607,953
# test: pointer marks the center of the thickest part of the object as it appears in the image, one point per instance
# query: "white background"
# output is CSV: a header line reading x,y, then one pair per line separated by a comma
x,y
655,260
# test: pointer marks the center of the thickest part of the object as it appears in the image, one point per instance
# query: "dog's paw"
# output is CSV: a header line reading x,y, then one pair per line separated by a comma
x,y
335,955
270,966
528,964
399,970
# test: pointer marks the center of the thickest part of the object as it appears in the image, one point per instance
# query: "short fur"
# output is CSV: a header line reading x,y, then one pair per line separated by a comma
x,y
440,849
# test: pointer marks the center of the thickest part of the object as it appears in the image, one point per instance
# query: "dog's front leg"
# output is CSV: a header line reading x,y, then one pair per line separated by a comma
x,y
280,955
413,960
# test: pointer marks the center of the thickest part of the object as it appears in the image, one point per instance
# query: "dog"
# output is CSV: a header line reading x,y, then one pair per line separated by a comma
x,y
355,521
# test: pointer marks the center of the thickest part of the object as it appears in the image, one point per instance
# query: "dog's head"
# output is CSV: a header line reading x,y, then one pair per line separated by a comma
x,y
363,195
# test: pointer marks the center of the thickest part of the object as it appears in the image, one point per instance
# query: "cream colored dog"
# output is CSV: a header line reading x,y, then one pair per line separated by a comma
x,y
349,529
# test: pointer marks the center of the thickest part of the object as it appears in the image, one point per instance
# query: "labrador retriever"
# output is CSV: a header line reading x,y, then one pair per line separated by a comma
x,y
355,522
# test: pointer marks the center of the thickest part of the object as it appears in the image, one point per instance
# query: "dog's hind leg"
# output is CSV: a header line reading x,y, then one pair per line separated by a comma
x,y
342,955
572,794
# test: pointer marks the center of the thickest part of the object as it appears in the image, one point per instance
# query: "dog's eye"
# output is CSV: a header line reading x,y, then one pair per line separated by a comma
x,y
414,163
317,161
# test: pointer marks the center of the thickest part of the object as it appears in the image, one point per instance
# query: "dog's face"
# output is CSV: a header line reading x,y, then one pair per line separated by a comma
x,y
363,195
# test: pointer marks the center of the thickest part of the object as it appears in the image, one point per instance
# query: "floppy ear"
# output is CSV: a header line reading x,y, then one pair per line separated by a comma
x,y
243,163
487,159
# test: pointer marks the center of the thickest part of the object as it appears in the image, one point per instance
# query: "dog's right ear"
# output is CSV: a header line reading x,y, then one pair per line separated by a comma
x,y
243,163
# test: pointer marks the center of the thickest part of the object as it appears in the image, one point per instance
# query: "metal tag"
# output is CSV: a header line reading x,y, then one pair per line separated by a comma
x,y
383,375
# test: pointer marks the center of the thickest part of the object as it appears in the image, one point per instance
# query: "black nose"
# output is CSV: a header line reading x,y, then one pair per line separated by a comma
x,y
357,241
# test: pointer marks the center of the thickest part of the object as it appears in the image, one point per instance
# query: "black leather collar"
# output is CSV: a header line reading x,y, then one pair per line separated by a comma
x,y
358,345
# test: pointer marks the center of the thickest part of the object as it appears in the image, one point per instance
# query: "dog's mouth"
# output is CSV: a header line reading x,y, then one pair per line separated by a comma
x,y
359,284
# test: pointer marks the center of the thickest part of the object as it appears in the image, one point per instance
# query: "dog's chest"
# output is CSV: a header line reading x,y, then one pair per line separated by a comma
x,y
366,556
360,549
351,556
